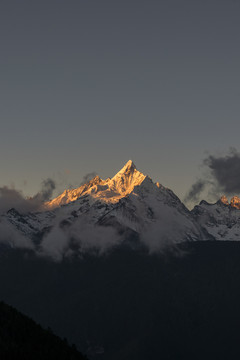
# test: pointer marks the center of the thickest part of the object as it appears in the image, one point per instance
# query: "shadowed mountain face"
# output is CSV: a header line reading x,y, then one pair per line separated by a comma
x,y
130,305
22,339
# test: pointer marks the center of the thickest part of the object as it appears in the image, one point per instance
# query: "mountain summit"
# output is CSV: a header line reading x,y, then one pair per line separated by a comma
x,y
109,190
129,166
126,179
129,204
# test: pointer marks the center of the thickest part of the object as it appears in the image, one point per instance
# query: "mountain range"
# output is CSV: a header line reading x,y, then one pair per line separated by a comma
x,y
128,206
126,304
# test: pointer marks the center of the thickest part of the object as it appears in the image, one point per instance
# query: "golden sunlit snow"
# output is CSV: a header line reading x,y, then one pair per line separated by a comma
x,y
109,190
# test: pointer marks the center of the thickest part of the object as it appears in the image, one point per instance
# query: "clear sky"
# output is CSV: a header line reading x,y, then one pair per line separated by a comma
x,y
88,84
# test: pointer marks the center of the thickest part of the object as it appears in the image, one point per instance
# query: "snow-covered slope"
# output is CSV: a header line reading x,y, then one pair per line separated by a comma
x,y
31,223
221,220
130,201
109,190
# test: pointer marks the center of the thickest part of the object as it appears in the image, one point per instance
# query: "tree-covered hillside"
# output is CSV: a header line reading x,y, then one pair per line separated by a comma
x,y
129,305
22,339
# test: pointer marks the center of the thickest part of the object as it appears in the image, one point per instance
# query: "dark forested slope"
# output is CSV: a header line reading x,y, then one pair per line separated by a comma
x,y
22,339
129,305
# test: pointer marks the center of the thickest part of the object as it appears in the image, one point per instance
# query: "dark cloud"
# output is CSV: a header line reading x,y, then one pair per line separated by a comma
x,y
222,176
12,198
225,170
196,190
45,194
88,177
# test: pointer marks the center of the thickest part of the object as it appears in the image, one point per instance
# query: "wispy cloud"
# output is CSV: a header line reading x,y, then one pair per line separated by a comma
x,y
13,198
222,176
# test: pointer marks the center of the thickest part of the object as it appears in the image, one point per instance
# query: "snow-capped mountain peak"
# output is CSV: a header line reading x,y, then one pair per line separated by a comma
x,y
129,166
126,179
109,190
129,203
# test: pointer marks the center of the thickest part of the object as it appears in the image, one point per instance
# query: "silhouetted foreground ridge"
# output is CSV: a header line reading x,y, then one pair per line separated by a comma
x,y
22,339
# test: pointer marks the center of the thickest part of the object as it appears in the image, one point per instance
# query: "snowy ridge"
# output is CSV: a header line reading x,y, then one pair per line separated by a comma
x,y
221,220
130,200
129,203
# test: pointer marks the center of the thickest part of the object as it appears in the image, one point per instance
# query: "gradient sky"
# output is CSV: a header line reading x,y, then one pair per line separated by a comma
x,y
87,85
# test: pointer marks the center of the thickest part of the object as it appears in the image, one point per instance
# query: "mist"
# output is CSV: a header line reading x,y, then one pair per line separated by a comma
x,y
11,237
13,198
66,240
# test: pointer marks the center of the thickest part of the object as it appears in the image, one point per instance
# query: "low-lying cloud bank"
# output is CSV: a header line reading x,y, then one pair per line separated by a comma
x,y
65,240
222,176
80,238
77,239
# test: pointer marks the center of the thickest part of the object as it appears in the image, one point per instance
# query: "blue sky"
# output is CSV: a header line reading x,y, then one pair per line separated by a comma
x,y
87,85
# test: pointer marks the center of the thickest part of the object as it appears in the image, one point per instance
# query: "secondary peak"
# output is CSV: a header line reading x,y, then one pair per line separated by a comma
x,y
224,200
235,202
